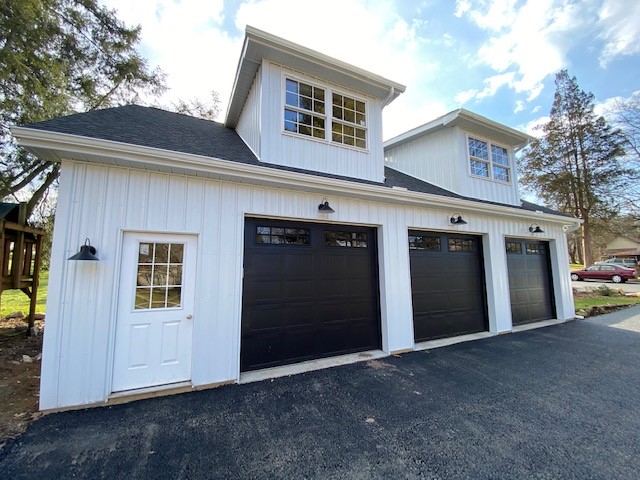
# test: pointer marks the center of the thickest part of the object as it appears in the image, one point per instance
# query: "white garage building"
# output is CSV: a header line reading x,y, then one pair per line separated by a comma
x,y
286,235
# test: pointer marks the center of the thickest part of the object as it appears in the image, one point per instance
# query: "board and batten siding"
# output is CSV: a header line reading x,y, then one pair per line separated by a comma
x,y
102,202
432,158
441,158
249,122
306,153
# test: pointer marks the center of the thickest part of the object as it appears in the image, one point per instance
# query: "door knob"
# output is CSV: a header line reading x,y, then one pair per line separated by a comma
x,y
189,316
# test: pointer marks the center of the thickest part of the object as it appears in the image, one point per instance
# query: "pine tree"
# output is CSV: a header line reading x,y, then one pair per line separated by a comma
x,y
575,166
59,57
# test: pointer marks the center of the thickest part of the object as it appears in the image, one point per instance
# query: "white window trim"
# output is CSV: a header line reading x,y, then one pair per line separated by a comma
x,y
490,178
329,90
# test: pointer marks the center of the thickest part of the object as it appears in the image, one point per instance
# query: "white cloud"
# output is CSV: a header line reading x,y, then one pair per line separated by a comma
x,y
536,109
607,108
379,41
500,14
464,97
491,86
188,40
406,113
462,7
620,23
519,107
532,41
185,40
533,127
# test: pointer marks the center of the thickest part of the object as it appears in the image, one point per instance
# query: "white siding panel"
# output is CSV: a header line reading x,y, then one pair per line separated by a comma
x,y
441,158
295,151
431,158
100,202
249,125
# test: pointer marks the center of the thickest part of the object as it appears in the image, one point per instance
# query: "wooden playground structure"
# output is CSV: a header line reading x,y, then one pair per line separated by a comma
x,y
21,255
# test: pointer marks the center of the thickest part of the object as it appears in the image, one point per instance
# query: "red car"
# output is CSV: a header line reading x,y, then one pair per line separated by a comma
x,y
604,272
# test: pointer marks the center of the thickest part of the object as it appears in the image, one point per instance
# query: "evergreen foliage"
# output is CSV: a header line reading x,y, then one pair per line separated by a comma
x,y
575,166
59,57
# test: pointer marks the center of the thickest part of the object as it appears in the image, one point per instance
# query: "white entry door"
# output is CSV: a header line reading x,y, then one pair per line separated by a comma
x,y
155,311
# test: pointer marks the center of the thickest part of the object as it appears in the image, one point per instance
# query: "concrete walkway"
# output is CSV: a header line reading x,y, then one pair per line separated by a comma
x,y
627,319
556,402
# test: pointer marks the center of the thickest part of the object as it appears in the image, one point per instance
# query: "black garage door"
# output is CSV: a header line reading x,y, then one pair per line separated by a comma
x,y
447,285
310,291
530,283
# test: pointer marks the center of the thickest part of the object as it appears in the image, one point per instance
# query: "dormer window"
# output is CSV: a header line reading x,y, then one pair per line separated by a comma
x,y
349,121
304,112
344,122
488,160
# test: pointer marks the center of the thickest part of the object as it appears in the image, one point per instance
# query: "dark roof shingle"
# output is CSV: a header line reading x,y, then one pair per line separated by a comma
x,y
156,128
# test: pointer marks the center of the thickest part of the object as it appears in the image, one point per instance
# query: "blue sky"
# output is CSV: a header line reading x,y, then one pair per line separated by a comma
x,y
496,58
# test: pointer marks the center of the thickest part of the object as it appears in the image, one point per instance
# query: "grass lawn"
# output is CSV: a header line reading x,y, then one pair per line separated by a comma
x,y
583,303
15,300
576,266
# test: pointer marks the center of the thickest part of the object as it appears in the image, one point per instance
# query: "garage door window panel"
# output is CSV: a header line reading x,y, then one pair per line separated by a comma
x,y
424,242
282,235
535,249
345,239
514,247
461,245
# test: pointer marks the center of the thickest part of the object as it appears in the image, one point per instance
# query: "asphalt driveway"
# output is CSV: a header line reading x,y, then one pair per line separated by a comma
x,y
556,402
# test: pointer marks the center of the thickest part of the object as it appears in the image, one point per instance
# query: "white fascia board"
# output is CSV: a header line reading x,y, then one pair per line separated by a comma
x,y
293,49
463,118
244,173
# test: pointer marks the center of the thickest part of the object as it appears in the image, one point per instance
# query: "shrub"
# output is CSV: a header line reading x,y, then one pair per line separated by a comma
x,y
605,291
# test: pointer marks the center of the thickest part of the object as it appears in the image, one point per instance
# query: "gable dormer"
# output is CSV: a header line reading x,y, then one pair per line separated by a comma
x,y
462,152
299,108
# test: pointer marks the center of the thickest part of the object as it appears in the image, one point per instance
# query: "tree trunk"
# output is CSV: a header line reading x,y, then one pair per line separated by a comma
x,y
586,243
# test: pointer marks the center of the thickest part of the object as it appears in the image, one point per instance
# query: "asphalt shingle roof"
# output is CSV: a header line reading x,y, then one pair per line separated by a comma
x,y
156,128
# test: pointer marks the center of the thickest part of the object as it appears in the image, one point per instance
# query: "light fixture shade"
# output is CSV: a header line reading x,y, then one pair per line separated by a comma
x,y
535,229
457,219
324,207
86,253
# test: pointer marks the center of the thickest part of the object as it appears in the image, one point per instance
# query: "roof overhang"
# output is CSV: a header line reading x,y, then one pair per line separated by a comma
x,y
58,146
469,121
259,45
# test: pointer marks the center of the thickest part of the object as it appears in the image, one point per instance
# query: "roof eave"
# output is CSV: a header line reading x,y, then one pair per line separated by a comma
x,y
83,147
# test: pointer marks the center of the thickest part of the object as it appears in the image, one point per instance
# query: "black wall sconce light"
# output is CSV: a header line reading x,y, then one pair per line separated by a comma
x,y
87,252
456,219
324,207
534,228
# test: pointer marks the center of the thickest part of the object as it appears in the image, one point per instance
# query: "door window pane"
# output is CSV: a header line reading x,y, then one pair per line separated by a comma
x,y
159,275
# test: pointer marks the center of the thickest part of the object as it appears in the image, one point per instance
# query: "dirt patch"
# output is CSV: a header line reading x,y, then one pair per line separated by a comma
x,y
19,376
379,365
602,309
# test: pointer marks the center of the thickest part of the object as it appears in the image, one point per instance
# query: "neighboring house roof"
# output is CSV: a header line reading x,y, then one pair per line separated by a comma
x,y
155,128
623,251
630,238
259,46
469,121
